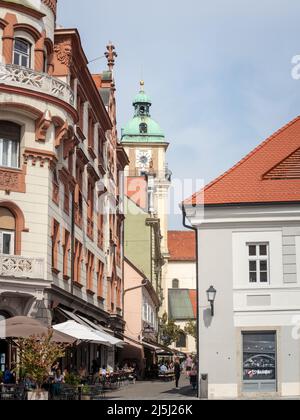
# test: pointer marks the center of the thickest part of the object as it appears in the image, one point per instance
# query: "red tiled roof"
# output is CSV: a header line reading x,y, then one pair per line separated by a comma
x,y
182,245
193,297
253,179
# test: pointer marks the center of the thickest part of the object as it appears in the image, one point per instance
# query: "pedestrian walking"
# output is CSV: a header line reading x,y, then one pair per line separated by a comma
x,y
194,376
188,366
177,371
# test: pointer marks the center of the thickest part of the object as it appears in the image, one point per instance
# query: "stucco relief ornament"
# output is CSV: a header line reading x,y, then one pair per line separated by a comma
x,y
8,180
64,53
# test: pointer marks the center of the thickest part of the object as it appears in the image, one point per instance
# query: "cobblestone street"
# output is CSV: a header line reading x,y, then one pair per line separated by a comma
x,y
154,391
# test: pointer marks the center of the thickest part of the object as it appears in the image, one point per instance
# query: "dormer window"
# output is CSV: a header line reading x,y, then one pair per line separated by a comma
x,y
22,52
143,128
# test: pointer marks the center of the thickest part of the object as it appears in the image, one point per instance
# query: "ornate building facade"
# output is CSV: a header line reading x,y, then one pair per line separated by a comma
x,y
61,225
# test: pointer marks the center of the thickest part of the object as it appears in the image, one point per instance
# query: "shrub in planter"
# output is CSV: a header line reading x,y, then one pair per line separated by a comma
x,y
72,379
37,356
85,393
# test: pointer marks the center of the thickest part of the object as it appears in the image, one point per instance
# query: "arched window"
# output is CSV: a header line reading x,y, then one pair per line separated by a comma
x,y
175,284
10,137
22,52
7,232
143,128
181,342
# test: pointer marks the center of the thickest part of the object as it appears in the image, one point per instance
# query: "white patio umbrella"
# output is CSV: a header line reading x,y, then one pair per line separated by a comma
x,y
80,332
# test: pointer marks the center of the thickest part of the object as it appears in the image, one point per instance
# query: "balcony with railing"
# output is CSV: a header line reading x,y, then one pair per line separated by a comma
x,y
21,267
26,78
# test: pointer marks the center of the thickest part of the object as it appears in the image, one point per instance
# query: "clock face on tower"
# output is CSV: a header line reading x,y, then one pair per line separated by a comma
x,y
143,158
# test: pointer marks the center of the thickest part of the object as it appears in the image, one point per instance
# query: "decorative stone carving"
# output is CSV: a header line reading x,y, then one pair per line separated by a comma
x,y
12,180
111,55
33,80
20,267
64,53
42,126
61,133
52,4
41,156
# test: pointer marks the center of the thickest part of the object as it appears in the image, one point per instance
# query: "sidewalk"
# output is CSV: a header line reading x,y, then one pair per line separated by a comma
x,y
154,390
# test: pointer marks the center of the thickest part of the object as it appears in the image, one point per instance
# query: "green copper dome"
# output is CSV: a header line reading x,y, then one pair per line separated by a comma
x,y
142,98
142,128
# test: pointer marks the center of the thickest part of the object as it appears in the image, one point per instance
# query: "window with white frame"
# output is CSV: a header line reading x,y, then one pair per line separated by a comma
x,y
258,254
149,314
10,135
22,52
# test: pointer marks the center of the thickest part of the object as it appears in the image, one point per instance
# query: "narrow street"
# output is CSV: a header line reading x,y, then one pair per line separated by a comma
x,y
155,390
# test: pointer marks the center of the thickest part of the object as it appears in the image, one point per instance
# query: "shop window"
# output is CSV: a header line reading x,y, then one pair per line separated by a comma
x,y
22,52
260,361
10,136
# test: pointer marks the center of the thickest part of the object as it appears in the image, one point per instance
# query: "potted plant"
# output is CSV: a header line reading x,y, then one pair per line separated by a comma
x,y
37,356
72,379
85,393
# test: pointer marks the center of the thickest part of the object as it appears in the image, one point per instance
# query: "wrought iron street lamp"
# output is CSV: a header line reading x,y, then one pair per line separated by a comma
x,y
211,296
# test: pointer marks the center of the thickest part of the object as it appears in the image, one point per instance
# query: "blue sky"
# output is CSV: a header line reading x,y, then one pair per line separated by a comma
x,y
218,71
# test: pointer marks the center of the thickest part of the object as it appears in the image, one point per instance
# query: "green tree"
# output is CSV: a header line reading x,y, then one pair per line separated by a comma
x,y
191,329
169,331
38,355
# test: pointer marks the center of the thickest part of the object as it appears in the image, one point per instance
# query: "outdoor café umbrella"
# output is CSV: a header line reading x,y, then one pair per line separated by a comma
x,y
80,332
25,327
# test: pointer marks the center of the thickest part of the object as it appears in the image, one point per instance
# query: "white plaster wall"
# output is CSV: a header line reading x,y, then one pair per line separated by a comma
x,y
298,258
185,272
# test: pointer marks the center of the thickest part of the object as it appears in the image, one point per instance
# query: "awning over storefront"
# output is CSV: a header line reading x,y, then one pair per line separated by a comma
x,y
150,346
108,338
80,332
159,349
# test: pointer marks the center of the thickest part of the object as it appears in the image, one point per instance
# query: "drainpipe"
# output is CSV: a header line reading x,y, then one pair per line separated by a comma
x,y
197,292
72,242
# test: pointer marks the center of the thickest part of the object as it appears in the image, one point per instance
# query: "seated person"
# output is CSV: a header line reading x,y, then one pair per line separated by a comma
x,y
163,369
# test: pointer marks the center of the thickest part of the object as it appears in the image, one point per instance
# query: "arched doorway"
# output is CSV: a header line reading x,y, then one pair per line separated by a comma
x,y
4,345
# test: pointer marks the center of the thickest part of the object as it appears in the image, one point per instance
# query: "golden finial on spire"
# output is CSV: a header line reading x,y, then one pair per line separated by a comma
x,y
142,85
